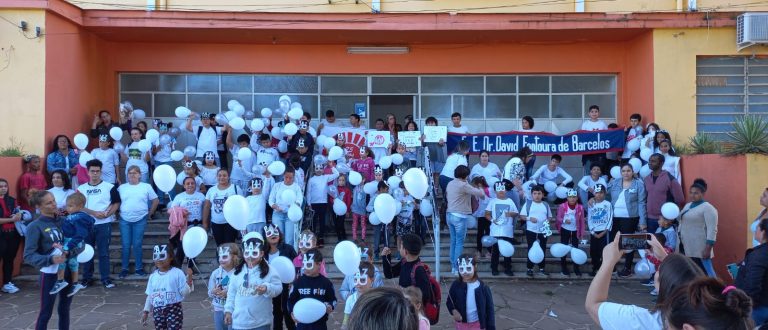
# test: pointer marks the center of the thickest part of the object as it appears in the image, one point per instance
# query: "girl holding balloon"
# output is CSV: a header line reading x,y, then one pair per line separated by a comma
x,y
166,289
277,248
137,153
470,314
501,212
570,222
229,258
161,149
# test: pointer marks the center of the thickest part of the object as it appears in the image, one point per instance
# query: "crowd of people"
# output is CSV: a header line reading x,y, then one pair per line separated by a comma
x,y
77,201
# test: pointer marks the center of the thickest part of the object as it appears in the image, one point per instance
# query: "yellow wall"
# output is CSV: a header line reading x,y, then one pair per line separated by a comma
x,y
22,81
757,181
674,60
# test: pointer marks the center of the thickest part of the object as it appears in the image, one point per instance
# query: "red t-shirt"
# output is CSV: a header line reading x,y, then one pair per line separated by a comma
x,y
28,181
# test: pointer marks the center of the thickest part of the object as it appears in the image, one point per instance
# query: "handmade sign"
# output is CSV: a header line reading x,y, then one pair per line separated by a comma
x,y
435,133
378,139
411,139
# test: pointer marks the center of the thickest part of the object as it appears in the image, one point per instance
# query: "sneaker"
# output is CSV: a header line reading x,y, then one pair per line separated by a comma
x,y
10,288
75,289
85,283
648,283
566,274
108,284
141,273
123,274
495,272
509,272
529,273
58,286
626,272
655,292
543,272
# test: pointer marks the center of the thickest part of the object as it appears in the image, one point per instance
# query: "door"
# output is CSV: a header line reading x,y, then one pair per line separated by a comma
x,y
398,105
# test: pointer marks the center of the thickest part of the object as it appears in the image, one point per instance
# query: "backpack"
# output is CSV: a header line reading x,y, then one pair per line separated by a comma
x,y
432,307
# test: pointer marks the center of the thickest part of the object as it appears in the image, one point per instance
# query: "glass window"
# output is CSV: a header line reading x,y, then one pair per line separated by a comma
x,y
438,106
245,99
342,106
165,104
583,84
139,101
172,83
534,84
285,84
237,83
501,106
469,106
344,85
450,84
534,106
607,104
203,83
395,85
138,82
205,103
495,84
308,102
566,106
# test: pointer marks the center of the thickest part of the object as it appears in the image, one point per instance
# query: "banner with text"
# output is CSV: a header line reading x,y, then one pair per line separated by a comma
x,y
542,143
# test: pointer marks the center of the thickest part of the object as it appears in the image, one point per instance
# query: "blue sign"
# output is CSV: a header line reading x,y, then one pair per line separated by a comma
x,y
360,109
542,143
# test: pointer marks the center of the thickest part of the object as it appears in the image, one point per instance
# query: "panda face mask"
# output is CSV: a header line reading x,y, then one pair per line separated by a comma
x,y
224,255
252,250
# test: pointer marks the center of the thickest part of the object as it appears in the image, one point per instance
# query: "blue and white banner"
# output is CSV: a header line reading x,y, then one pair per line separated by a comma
x,y
542,143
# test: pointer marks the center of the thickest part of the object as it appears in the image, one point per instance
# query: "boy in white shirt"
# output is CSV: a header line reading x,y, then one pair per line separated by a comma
x,y
241,168
593,124
501,212
317,197
257,203
208,137
551,172
599,220
634,131
537,215
457,127
265,152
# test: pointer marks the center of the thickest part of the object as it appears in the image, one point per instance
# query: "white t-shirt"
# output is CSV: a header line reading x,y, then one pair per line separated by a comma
x,y
135,157
600,216
634,133
209,175
589,125
586,182
207,140
461,129
109,159
569,216
451,163
219,277
488,172
543,175
256,207
192,203
266,155
217,197
540,211
620,209
335,123
350,303
99,198
163,154
241,168
134,200
166,288
60,195
672,165
277,192
472,315
501,225
317,188
625,317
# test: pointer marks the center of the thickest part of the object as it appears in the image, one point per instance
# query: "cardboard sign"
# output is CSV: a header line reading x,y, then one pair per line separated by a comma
x,y
435,133
378,139
411,139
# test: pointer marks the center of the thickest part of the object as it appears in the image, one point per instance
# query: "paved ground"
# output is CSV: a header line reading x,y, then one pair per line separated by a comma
x,y
519,305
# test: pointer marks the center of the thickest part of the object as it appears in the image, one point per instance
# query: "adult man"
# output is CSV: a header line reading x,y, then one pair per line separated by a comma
x,y
102,123
661,187
102,201
329,121
208,136
354,121
457,127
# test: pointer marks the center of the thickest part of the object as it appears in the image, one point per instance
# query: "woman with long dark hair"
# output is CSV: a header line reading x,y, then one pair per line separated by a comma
x,y
62,156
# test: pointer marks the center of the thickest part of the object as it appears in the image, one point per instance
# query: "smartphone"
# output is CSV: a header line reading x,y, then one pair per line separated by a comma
x,y
634,241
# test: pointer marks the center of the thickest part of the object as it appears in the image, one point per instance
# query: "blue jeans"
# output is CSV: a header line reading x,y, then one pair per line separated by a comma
x,y
131,237
99,239
760,314
286,226
458,230
708,267
218,321
47,301
652,225
380,231
444,180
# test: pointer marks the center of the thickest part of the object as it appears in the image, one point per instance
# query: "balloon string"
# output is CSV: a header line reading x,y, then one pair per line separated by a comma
x,y
194,264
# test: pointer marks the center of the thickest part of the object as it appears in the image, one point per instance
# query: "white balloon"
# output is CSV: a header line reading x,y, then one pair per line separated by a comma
x,y
335,153
385,162
231,104
266,112
371,188
397,159
182,112
471,222
295,113
276,168
237,123
118,147
164,177
329,143
645,171
86,255
81,141
222,119
282,146
284,268
177,155
308,310
229,115
239,110
506,248
116,133
550,186
355,178
616,172
384,206
559,250
646,153
139,114
257,125
415,181
294,213
636,164
194,241
394,182
578,256
321,140
373,219
535,254
670,211
152,135
339,207
342,167
236,211
84,158
144,145
288,196
643,268
290,129
426,208
276,133
244,154
633,144
561,192
346,257
190,151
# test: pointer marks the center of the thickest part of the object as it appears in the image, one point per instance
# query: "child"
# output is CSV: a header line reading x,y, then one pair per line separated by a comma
x,y
457,127
76,227
31,181
190,171
667,228
593,124
633,131
280,214
378,230
550,172
411,271
136,156
359,213
469,299
501,213
256,207
348,285
109,158
570,222
599,224
209,170
588,182
166,289
300,173
267,182
483,226
414,296
265,152
304,153
208,136
363,280
536,213
317,197
345,195
405,217
191,201
229,258
364,164
313,284
251,289
241,168
406,164
307,241
277,248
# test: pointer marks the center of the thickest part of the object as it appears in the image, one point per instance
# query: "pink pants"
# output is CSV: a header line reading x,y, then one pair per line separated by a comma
x,y
468,326
355,219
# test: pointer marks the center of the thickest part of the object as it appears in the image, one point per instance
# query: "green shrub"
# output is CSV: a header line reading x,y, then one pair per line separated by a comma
x,y
703,143
14,149
749,136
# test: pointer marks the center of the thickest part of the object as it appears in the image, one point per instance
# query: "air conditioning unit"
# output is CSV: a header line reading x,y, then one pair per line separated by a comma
x,y
751,29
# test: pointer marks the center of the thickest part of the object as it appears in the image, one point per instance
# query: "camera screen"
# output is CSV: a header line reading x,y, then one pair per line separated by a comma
x,y
634,242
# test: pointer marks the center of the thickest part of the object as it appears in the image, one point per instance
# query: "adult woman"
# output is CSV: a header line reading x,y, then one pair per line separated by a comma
x,y
627,196
675,271
62,156
383,308
762,215
671,161
392,125
191,201
753,274
280,214
9,237
61,189
707,303
134,155
213,210
456,159
458,194
39,252
134,196
142,125
490,171
102,122
698,228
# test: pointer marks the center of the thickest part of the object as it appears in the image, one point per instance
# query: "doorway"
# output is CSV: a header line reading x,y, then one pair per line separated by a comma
x,y
398,105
